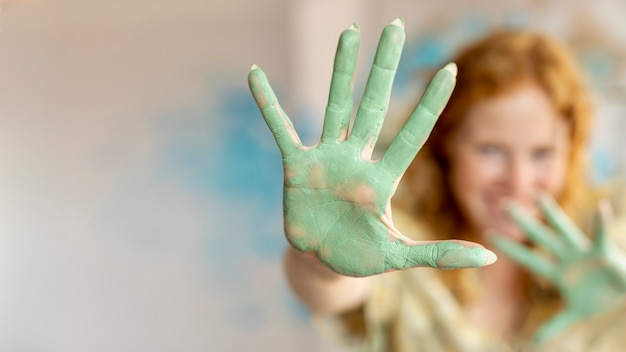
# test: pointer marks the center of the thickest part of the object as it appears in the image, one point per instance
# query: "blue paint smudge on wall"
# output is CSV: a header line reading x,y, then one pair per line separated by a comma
x,y
226,155
238,165
426,52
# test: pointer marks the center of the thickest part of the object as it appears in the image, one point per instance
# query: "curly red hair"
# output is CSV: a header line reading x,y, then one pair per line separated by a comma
x,y
496,65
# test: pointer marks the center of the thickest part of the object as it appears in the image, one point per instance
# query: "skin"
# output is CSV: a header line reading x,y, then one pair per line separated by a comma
x,y
590,276
509,151
336,198
511,146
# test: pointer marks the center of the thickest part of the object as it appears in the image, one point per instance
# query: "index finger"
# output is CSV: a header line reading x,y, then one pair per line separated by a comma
x,y
536,231
562,223
525,257
416,129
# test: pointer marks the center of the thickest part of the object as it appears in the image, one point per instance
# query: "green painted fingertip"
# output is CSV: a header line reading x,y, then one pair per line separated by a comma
x,y
452,68
463,257
398,22
510,207
545,201
491,257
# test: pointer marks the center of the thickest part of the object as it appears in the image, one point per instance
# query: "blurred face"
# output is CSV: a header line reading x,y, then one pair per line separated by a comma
x,y
509,147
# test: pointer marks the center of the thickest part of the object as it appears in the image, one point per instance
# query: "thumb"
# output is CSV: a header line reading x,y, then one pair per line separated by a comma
x,y
451,254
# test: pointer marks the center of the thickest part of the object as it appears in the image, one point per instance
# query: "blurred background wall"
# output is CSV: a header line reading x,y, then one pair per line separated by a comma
x,y
140,191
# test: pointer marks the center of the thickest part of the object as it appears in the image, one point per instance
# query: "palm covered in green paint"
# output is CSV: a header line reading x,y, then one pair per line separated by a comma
x,y
591,277
336,199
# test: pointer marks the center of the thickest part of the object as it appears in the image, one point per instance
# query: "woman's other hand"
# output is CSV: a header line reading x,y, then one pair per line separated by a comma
x,y
591,276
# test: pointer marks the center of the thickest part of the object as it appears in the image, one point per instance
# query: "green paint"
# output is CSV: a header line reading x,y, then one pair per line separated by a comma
x,y
590,276
335,196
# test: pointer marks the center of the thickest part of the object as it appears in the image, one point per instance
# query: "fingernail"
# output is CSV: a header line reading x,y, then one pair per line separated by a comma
x,y
355,26
254,67
398,22
452,68
491,257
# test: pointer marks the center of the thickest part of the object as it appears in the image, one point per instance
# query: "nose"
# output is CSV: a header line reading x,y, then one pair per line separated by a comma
x,y
519,178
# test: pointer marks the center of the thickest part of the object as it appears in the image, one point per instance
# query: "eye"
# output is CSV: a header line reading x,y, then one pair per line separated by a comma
x,y
544,153
489,149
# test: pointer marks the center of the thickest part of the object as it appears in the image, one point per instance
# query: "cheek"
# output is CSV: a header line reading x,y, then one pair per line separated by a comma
x,y
469,178
556,173
470,172
553,173
554,176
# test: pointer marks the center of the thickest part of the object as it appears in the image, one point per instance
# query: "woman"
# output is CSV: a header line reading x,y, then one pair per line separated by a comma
x,y
514,131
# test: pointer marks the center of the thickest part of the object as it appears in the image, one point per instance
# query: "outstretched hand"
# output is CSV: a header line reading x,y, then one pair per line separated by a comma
x,y
590,276
336,198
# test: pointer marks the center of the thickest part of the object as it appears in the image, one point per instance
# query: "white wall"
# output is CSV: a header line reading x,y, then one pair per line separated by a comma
x,y
139,188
